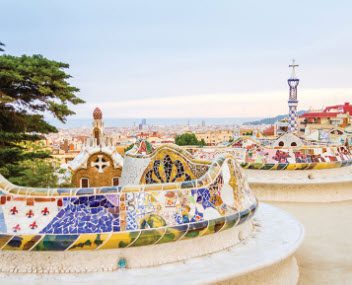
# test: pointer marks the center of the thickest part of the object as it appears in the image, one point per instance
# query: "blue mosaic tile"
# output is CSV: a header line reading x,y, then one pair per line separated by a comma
x,y
85,214
131,220
203,197
3,227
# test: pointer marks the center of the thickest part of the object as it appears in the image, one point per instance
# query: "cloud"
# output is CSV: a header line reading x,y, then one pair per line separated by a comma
x,y
258,104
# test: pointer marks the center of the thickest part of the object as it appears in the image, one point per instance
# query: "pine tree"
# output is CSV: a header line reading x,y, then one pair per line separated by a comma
x,y
30,86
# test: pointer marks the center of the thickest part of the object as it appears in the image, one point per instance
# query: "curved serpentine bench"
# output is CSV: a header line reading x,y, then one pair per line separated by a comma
x,y
299,174
141,224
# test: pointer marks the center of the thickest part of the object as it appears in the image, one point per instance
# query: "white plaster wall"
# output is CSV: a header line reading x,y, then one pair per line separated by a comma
x,y
288,138
132,170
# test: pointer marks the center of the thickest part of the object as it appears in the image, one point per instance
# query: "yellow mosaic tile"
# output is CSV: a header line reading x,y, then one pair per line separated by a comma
x,y
120,240
89,241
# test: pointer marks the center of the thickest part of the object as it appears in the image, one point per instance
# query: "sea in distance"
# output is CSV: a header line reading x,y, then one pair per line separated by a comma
x,y
130,122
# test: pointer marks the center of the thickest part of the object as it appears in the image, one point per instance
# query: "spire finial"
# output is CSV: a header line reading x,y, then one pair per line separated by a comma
x,y
293,65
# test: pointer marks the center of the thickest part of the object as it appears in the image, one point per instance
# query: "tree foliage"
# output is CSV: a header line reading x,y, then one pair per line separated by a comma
x,y
189,139
37,173
30,87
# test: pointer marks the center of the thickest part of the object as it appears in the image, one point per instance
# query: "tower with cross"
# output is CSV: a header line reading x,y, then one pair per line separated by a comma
x,y
293,82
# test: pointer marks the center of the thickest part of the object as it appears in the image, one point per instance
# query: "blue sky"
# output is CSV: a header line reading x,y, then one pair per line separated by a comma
x,y
189,58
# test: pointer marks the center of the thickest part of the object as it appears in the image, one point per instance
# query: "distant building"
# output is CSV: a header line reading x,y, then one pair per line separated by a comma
x,y
288,140
142,124
99,163
331,117
152,137
215,137
245,132
281,127
65,146
269,131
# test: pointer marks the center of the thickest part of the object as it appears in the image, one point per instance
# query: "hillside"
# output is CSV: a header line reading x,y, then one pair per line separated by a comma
x,y
270,121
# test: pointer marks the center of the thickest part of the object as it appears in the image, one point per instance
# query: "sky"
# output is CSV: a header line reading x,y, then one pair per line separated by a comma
x,y
162,59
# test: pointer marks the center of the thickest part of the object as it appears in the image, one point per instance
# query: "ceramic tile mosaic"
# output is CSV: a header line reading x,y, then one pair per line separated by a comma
x,y
252,155
173,201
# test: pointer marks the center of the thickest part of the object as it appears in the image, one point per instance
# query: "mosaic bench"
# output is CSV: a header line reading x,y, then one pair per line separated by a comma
x,y
176,200
296,174
293,158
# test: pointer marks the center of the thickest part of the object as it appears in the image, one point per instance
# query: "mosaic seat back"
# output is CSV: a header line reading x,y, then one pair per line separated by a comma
x,y
171,164
167,164
252,155
179,208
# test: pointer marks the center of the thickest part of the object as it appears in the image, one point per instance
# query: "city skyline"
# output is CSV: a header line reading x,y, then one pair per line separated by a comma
x,y
189,59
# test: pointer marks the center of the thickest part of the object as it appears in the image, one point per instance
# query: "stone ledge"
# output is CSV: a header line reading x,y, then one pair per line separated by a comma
x,y
306,193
